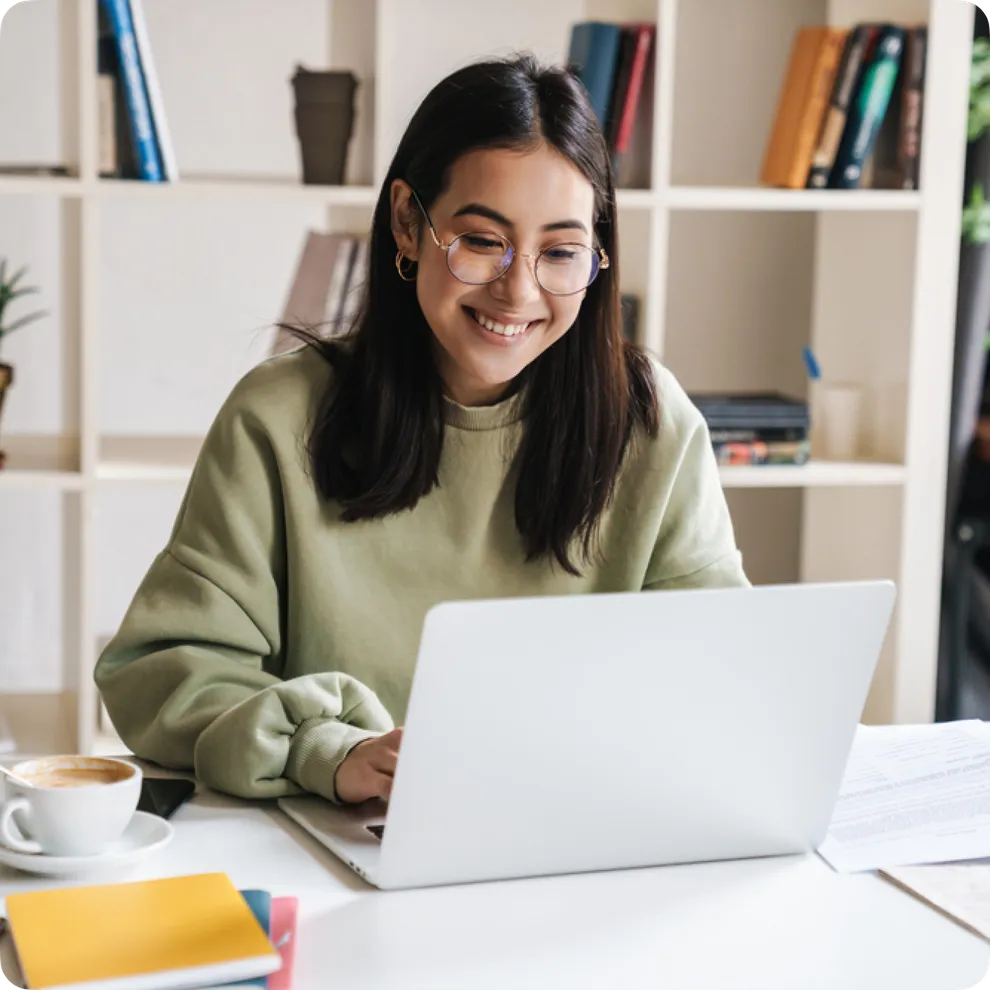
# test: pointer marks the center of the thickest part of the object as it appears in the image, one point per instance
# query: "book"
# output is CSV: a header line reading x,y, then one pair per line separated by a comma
x,y
163,136
912,105
868,108
630,113
354,288
333,320
592,56
629,308
260,903
179,932
762,452
857,47
285,913
308,301
801,107
751,410
135,92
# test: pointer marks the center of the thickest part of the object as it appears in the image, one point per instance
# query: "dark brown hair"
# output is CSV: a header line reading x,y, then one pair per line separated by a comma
x,y
378,435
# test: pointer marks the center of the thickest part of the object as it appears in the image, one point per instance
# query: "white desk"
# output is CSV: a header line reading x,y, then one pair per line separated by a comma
x,y
785,923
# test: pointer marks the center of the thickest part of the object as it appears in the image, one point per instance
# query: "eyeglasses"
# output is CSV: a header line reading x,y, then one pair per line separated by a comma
x,y
480,257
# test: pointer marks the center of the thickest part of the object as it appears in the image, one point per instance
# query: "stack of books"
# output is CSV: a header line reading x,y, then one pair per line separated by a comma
x,y
186,931
850,110
616,64
756,427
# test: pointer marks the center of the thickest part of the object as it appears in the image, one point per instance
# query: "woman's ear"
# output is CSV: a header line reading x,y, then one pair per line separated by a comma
x,y
405,219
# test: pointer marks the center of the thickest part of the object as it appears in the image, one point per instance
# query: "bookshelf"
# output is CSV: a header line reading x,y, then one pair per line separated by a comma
x,y
734,279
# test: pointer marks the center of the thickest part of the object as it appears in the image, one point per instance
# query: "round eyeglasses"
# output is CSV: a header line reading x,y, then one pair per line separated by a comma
x,y
480,257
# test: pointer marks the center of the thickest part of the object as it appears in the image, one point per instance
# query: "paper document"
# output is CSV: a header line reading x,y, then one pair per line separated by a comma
x,y
960,890
912,795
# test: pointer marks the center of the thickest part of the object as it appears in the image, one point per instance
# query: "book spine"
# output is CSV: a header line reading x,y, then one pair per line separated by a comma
x,y
810,125
857,49
770,434
757,452
909,143
134,91
644,41
869,107
594,51
163,135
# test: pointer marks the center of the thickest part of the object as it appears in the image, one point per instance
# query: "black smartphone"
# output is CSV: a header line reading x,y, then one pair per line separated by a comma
x,y
163,796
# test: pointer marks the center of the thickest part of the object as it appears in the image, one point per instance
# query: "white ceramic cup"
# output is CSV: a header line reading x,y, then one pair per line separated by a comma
x,y
75,806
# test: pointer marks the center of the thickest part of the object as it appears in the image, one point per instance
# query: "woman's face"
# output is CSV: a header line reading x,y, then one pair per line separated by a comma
x,y
488,333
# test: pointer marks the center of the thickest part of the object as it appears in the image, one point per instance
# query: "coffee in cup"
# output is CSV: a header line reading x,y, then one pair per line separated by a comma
x,y
73,806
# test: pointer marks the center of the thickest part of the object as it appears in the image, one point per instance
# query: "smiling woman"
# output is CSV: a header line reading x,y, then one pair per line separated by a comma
x,y
482,431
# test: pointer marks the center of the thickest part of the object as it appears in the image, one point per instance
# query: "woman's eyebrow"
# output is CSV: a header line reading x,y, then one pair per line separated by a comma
x,y
480,210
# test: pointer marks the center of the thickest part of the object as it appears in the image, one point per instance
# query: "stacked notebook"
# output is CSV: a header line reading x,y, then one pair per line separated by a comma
x,y
180,932
756,427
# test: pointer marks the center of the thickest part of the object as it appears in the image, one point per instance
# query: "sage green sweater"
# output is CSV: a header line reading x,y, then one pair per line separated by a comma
x,y
269,637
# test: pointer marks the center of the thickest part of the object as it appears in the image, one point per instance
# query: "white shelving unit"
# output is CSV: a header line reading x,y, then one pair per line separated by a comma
x,y
734,279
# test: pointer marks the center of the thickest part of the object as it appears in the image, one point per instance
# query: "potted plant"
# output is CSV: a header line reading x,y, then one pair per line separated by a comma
x,y
11,289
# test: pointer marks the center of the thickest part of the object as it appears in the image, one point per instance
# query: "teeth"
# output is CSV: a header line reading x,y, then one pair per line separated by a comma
x,y
503,329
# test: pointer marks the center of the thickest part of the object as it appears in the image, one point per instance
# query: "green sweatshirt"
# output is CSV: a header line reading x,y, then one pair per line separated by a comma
x,y
269,637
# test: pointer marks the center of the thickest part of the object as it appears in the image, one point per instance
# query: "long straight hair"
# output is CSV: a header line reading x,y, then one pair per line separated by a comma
x,y
378,435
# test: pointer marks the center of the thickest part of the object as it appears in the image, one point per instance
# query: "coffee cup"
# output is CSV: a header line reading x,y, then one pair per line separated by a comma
x,y
72,806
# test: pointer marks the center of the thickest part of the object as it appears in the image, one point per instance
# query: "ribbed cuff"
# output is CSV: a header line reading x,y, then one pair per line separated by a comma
x,y
319,746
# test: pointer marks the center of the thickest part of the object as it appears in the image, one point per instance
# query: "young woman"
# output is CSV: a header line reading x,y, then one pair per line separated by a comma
x,y
483,432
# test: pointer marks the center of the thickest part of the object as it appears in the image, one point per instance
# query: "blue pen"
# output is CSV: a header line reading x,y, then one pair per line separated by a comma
x,y
810,362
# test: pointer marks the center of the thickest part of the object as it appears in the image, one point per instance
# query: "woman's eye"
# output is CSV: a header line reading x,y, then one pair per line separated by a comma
x,y
560,255
478,242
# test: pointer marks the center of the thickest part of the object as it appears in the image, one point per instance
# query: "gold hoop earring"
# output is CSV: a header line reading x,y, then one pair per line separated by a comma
x,y
407,275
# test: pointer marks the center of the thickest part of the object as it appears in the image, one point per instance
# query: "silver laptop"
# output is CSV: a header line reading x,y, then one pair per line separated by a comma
x,y
561,735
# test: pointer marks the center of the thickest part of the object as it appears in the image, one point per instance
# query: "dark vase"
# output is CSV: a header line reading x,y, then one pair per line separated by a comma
x,y
324,123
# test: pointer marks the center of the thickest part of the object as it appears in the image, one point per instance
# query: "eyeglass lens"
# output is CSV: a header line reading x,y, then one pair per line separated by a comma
x,y
478,258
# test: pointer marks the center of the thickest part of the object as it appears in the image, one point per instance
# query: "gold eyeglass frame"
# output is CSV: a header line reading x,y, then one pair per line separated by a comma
x,y
603,261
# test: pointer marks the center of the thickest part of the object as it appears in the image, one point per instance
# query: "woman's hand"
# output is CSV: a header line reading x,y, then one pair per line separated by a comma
x,y
368,769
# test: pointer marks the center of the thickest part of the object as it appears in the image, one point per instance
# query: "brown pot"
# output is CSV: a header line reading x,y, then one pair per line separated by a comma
x,y
6,380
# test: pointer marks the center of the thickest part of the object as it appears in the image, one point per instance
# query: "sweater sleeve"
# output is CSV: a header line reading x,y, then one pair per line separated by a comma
x,y
190,678
696,545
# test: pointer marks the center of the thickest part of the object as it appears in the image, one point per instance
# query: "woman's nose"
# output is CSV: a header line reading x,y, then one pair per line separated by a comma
x,y
518,286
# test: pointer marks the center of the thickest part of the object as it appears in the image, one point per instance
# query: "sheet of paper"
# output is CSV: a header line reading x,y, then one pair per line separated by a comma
x,y
960,890
913,795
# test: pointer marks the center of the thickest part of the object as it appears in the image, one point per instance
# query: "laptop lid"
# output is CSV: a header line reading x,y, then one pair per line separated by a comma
x,y
563,734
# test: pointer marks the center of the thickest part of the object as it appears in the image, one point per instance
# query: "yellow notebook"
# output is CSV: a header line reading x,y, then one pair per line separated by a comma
x,y
152,935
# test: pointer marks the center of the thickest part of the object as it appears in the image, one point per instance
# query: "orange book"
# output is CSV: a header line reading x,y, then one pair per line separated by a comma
x,y
190,931
801,108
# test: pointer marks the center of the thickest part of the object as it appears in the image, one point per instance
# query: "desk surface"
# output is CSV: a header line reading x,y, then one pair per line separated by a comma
x,y
789,923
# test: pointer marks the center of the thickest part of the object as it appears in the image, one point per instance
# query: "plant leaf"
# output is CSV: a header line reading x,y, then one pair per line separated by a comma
x,y
23,322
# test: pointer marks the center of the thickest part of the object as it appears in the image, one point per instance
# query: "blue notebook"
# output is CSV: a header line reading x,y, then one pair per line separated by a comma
x,y
593,53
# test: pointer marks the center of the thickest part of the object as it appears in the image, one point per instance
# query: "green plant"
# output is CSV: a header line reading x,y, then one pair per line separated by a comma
x,y
979,89
11,289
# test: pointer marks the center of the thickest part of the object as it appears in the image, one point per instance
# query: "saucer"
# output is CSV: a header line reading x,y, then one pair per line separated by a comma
x,y
144,835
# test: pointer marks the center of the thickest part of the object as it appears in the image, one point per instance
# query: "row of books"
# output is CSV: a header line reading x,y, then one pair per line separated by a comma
x,y
756,427
616,63
850,111
134,138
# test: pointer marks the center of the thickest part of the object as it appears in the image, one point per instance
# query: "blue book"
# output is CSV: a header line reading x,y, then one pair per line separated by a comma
x,y
135,91
592,57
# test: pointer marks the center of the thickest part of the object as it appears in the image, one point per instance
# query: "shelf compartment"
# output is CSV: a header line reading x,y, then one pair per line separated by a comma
x,y
41,461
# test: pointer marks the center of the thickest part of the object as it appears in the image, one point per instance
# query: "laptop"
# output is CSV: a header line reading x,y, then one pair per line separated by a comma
x,y
598,732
